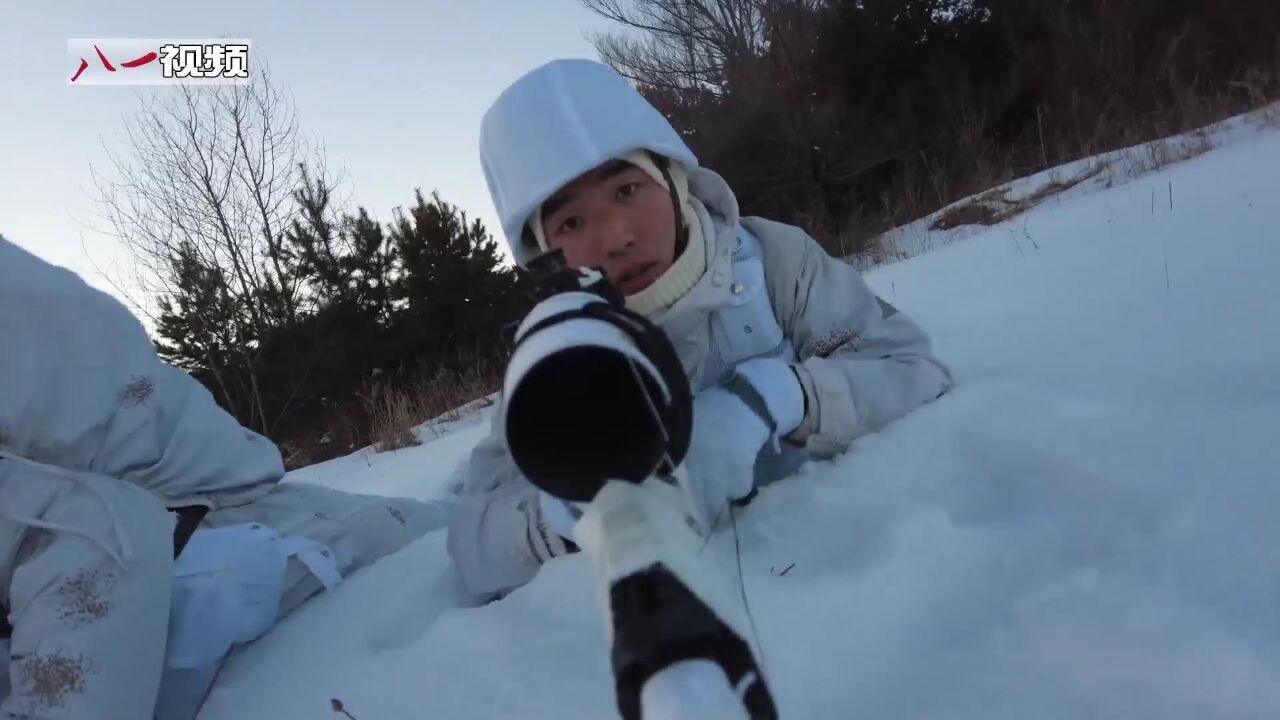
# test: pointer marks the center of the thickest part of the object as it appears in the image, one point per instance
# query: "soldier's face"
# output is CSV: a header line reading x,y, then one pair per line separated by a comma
x,y
615,217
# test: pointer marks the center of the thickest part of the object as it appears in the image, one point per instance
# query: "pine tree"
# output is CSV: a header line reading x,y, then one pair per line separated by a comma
x,y
346,300
453,292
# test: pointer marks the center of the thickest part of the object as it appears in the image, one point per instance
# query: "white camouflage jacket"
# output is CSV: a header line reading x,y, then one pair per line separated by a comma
x,y
769,291
81,388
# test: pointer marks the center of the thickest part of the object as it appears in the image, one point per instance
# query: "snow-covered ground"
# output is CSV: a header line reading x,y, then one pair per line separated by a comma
x,y
1084,528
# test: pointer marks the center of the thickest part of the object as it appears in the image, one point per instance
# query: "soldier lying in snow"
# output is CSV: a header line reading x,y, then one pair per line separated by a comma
x,y
109,459
779,340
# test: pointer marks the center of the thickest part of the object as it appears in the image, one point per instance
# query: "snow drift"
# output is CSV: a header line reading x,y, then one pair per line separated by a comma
x,y
1083,528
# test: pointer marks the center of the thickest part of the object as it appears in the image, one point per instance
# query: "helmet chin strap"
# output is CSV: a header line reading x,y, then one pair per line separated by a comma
x,y
682,237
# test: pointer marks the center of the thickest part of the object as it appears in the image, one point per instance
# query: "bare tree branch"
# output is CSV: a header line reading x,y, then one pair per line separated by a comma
x,y
680,44
207,184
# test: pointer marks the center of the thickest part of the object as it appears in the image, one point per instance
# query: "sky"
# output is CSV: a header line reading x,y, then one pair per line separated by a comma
x,y
393,90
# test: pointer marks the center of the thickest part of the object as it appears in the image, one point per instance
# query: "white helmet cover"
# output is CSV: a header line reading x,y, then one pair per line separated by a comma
x,y
556,123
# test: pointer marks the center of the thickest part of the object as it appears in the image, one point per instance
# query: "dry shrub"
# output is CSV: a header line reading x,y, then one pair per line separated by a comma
x,y
1161,153
399,406
395,417
1270,116
975,212
994,207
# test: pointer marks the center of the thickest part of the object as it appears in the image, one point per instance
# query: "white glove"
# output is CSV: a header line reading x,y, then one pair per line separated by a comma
x,y
728,434
558,516
545,542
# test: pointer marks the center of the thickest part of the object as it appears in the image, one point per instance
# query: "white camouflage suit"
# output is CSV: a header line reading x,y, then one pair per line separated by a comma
x,y
768,291
98,438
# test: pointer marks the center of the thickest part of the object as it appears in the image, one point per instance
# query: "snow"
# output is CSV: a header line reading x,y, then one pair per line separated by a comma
x,y
1083,528
1081,177
413,472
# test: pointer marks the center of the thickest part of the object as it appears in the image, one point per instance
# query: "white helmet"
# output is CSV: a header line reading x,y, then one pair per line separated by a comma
x,y
556,123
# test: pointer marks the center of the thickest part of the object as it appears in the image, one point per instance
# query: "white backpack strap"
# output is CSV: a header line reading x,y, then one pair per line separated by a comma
x,y
318,558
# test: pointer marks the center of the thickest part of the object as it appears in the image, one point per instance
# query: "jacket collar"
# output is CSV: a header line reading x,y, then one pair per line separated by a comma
x,y
685,322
